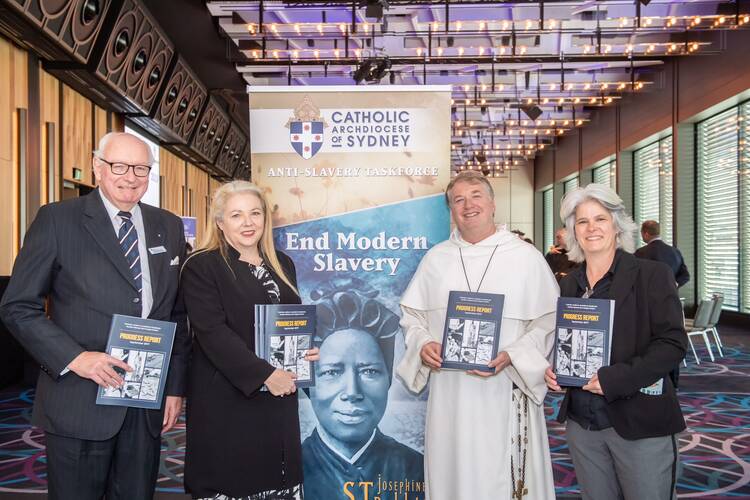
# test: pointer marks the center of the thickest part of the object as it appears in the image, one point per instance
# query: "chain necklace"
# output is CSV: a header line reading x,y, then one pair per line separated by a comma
x,y
519,489
461,254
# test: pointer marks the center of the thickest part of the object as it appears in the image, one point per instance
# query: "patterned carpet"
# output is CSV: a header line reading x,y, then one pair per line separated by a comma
x,y
714,450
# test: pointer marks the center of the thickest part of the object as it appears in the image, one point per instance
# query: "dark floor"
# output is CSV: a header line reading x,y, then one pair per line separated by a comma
x,y
714,450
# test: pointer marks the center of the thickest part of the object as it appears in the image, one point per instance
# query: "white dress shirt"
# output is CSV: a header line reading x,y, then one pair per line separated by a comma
x,y
147,299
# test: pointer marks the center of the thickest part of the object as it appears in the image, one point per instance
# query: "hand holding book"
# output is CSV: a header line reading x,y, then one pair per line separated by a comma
x,y
99,367
551,380
430,354
282,382
499,363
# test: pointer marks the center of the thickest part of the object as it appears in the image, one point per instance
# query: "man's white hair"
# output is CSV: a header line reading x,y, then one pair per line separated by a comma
x,y
607,198
108,137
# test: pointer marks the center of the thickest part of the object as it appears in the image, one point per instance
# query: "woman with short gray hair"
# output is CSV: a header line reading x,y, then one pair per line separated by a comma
x,y
621,425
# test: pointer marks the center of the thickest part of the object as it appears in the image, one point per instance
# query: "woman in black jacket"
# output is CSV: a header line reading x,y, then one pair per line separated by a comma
x,y
621,425
241,442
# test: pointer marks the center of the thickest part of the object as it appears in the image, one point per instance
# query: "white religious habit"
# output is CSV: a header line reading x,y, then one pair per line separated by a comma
x,y
484,440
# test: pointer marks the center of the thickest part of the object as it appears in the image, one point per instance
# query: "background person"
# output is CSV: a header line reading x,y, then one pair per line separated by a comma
x,y
241,442
91,257
656,249
621,425
557,257
350,395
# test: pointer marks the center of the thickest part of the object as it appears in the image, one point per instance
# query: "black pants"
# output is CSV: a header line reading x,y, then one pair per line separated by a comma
x,y
123,467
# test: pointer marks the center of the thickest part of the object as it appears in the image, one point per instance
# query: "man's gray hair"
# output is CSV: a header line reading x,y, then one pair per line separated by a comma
x,y
607,198
472,177
108,137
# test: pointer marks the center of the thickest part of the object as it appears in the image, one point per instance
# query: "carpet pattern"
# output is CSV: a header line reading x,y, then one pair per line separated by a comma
x,y
714,450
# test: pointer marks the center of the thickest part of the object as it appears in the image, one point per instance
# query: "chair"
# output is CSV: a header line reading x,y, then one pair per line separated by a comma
x,y
700,327
714,321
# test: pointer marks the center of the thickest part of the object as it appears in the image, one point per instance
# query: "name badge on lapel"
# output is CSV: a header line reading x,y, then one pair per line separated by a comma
x,y
655,389
157,250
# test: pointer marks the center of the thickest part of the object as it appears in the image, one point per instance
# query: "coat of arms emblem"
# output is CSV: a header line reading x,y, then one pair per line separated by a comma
x,y
306,129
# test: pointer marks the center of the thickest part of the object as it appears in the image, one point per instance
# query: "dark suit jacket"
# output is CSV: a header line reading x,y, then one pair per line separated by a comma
x,y
71,257
240,441
671,256
648,340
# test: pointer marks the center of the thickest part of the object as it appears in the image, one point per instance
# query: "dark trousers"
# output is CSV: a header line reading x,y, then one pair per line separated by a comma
x,y
123,467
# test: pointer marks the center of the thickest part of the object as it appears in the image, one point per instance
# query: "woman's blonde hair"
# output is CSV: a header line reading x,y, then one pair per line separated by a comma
x,y
215,239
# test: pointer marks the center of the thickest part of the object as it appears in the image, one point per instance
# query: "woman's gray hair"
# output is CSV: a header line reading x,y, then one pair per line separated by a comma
x,y
606,197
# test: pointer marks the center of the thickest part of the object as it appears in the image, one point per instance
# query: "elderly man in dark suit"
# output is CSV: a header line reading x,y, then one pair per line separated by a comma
x,y
86,259
656,249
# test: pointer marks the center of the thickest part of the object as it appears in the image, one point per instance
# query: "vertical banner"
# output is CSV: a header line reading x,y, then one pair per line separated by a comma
x,y
355,177
189,226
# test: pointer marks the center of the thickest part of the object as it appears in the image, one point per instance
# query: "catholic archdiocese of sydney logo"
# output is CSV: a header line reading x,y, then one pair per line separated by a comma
x,y
306,129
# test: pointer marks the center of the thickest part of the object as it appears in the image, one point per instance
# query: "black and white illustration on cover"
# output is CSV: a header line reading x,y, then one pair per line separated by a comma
x,y
287,352
580,353
143,381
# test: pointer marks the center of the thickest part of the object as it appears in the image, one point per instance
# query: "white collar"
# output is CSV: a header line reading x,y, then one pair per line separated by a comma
x,y
356,456
112,210
500,237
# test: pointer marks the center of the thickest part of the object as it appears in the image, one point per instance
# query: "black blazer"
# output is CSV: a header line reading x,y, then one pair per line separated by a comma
x,y
671,256
240,440
72,258
648,340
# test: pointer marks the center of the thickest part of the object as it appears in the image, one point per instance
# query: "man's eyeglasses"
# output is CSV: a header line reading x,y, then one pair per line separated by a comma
x,y
122,168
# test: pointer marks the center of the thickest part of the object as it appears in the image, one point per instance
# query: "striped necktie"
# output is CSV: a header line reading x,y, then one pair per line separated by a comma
x,y
128,237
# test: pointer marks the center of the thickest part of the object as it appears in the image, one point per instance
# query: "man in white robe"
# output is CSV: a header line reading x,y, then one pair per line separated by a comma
x,y
485,433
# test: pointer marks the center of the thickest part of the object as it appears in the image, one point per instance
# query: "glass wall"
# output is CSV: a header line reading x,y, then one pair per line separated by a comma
x,y
723,203
652,169
605,174
549,215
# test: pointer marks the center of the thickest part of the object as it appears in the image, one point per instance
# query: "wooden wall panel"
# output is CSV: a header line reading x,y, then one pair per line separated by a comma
x,y
172,172
13,95
100,123
77,131
197,183
49,97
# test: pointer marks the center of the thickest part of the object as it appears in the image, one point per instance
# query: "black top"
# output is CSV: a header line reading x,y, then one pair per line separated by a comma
x,y
671,256
589,410
240,441
648,340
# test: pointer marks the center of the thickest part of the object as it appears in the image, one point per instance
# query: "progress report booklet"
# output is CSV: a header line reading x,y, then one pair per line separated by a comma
x,y
145,345
472,330
283,335
583,339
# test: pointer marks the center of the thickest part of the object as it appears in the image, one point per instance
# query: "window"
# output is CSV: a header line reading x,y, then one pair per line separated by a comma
x,y
652,167
570,184
722,183
548,215
606,174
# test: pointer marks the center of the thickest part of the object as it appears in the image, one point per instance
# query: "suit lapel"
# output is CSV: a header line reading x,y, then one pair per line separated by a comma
x,y
155,237
97,223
